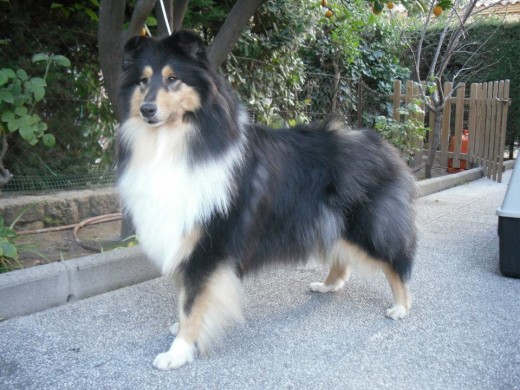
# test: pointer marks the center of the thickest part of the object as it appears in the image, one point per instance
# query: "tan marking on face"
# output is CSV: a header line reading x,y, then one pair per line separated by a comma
x,y
135,103
138,94
167,71
173,103
147,72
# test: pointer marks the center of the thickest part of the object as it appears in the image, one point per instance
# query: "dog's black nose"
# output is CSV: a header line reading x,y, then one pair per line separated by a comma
x,y
148,110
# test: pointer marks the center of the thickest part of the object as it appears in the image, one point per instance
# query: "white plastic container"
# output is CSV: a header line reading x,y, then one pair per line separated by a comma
x,y
509,227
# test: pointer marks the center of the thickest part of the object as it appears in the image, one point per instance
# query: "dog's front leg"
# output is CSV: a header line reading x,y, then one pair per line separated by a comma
x,y
208,303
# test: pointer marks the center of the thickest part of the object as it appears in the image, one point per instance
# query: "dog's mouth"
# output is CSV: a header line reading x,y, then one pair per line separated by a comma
x,y
154,122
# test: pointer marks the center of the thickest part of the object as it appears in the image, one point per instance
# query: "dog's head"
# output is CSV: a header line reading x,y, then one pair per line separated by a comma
x,y
164,81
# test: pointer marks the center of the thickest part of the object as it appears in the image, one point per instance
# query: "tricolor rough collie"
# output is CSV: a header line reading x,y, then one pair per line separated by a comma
x,y
213,196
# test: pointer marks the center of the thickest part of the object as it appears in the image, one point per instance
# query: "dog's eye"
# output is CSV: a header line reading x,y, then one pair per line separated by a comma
x,y
143,81
171,79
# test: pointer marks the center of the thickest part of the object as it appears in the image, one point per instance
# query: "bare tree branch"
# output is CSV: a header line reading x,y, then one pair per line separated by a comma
x,y
111,19
179,10
230,31
162,25
143,9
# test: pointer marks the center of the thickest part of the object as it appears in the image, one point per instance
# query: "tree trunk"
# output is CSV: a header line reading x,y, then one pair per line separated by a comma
x,y
230,31
110,46
179,11
434,143
162,27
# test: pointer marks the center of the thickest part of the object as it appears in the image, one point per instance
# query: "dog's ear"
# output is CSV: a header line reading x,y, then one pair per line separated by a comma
x,y
190,44
132,49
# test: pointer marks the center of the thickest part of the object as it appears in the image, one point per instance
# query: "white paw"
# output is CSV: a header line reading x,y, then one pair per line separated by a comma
x,y
180,353
325,288
397,312
174,329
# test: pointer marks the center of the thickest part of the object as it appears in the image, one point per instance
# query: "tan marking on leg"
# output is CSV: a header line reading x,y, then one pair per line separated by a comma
x,y
339,271
338,274
216,307
342,249
188,243
399,289
402,302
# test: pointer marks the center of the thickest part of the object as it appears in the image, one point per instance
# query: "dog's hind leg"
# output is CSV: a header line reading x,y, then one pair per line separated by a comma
x,y
402,301
339,273
205,312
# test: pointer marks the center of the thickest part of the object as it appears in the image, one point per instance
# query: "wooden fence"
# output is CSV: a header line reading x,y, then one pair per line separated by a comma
x,y
483,113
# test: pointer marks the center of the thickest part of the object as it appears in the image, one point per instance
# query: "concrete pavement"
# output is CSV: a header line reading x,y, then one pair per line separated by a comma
x,y
463,331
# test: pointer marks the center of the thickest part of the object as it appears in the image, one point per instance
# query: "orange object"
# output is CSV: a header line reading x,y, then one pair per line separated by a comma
x,y
437,10
463,149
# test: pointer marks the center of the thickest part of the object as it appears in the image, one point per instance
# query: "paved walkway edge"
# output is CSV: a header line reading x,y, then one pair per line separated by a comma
x,y
40,288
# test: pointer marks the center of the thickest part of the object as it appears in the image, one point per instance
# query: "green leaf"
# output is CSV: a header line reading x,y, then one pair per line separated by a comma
x,y
61,60
42,126
48,140
8,233
38,82
151,21
7,96
8,116
93,16
40,57
39,93
9,250
8,72
22,74
20,111
27,133
13,125
33,119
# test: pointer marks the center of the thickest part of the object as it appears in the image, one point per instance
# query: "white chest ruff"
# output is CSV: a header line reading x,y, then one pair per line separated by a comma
x,y
167,200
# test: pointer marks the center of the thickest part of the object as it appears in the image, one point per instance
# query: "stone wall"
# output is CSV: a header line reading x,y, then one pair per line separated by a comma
x,y
57,209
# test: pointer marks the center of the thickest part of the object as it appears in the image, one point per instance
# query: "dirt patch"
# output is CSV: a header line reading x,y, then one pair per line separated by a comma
x,y
42,248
